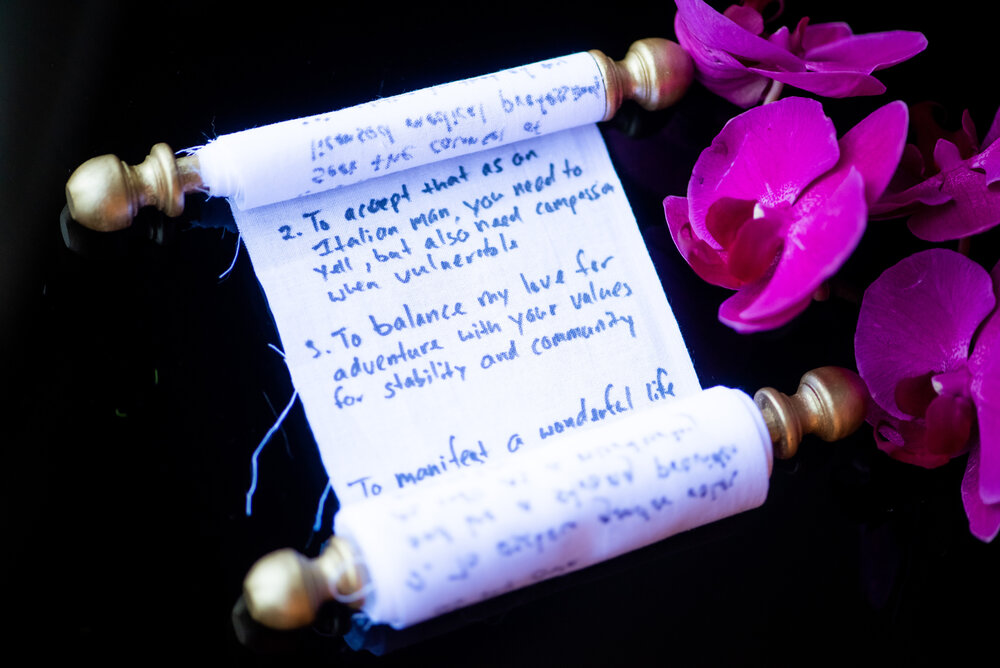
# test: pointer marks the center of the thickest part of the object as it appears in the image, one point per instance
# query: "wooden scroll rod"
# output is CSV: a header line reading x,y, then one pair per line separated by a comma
x,y
105,193
284,589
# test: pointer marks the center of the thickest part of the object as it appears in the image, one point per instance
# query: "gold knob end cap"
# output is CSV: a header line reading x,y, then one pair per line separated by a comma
x,y
105,194
655,73
831,402
276,592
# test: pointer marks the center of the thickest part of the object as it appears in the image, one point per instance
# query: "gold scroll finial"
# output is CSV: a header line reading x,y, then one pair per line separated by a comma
x,y
105,194
831,402
655,73
285,589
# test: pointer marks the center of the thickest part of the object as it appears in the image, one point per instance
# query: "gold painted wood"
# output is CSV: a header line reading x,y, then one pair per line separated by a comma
x,y
831,403
655,73
105,194
284,589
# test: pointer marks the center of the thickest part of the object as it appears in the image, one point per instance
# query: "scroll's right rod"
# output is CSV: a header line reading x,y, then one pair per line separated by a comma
x,y
655,73
831,403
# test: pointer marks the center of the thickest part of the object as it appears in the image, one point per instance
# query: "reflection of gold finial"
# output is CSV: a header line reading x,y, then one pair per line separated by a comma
x,y
284,589
831,402
655,73
105,194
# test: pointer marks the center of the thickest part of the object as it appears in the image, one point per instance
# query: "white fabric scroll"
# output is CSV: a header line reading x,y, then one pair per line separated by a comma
x,y
308,155
562,507
442,330
484,351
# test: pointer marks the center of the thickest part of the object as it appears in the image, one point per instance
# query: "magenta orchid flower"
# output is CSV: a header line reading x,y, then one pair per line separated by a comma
x,y
928,347
945,183
737,60
776,204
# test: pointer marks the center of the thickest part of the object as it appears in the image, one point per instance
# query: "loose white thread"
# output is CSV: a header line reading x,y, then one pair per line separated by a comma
x,y
263,442
239,239
367,589
319,510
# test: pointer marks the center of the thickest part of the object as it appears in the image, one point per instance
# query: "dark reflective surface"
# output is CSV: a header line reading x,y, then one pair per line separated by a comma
x,y
140,382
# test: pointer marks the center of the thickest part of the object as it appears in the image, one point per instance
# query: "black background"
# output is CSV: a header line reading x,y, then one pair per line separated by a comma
x,y
139,382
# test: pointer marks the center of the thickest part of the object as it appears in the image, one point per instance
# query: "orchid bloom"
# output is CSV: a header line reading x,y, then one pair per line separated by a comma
x,y
928,347
735,59
776,204
945,183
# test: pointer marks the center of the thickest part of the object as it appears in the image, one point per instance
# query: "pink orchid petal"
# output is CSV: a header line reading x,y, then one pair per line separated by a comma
x,y
721,72
768,154
795,39
809,196
973,207
984,518
874,147
739,86
919,316
984,365
829,84
789,40
747,18
870,52
732,311
959,195
712,28
928,193
781,38
820,34
826,59
988,161
706,261
946,155
829,221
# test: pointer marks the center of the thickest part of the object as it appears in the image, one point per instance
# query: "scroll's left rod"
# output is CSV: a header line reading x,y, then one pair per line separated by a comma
x,y
105,193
